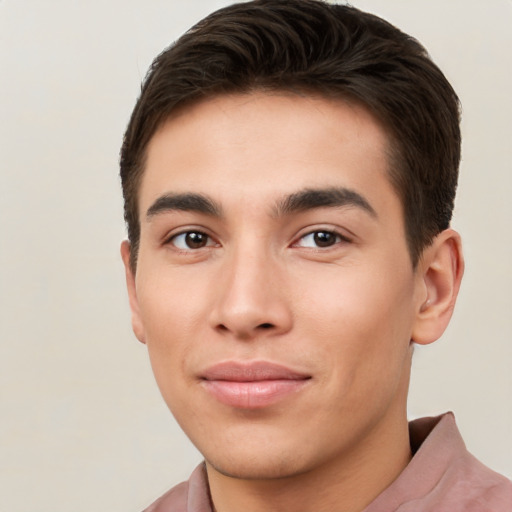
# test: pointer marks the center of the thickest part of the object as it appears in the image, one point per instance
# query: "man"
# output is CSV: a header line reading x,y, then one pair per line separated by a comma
x,y
289,173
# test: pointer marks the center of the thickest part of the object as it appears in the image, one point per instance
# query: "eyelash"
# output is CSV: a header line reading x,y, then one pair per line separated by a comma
x,y
192,232
338,238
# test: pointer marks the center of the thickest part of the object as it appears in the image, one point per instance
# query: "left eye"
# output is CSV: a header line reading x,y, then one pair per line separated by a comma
x,y
318,239
191,240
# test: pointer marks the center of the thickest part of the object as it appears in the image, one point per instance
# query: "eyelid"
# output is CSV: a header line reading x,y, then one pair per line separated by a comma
x,y
184,230
344,238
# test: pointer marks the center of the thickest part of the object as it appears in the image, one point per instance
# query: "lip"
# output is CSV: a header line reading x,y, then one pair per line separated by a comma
x,y
252,385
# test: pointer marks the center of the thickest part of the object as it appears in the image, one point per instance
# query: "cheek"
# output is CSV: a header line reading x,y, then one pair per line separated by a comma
x,y
170,305
361,320
171,317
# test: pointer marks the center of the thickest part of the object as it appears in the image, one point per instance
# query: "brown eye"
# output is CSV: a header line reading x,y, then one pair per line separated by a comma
x,y
324,238
196,240
191,240
320,239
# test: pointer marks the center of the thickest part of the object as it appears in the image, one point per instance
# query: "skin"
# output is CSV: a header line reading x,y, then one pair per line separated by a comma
x,y
250,282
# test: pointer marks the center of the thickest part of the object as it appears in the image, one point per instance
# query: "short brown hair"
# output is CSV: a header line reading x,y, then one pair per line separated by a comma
x,y
312,47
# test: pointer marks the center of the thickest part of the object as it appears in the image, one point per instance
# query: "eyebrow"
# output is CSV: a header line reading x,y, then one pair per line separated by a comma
x,y
303,200
188,202
310,198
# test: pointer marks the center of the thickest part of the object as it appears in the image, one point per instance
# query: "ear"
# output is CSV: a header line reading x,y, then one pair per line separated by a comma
x,y
137,324
440,272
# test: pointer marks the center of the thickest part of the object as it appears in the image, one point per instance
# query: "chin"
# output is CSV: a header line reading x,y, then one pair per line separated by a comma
x,y
259,458
256,450
252,468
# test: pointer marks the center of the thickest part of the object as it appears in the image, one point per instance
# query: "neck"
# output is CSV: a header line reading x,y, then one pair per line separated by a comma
x,y
347,484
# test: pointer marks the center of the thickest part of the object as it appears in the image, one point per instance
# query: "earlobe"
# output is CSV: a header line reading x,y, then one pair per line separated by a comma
x,y
137,325
440,273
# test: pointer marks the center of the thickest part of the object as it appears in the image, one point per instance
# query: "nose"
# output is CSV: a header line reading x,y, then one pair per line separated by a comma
x,y
251,299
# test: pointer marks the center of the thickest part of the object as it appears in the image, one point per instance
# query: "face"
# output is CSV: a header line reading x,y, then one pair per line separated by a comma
x,y
274,288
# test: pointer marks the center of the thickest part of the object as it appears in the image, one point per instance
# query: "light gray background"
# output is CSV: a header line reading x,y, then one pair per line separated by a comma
x,y
82,425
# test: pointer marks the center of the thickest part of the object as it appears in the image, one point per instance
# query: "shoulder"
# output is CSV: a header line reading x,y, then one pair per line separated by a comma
x,y
190,496
463,483
174,500
443,476
469,486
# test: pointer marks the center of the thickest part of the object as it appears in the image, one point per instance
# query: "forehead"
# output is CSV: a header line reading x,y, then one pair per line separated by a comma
x,y
265,143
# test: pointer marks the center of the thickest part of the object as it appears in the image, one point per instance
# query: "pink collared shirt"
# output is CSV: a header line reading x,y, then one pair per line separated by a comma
x,y
441,477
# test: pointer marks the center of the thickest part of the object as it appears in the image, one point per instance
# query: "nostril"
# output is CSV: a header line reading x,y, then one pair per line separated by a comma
x,y
266,326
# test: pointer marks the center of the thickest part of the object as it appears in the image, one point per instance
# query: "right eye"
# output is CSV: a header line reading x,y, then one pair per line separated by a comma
x,y
190,240
321,239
